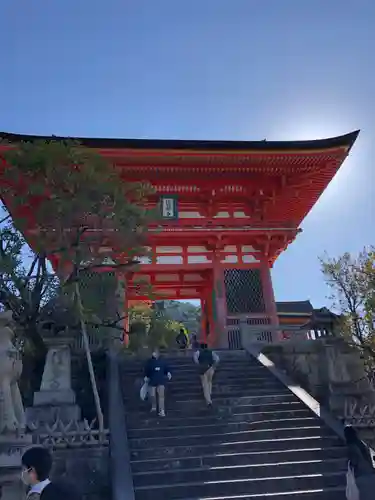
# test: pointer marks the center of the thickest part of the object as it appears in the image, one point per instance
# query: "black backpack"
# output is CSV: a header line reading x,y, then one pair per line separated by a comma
x,y
206,358
181,339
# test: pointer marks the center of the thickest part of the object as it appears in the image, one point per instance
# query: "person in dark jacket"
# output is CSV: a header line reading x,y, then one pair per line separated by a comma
x,y
207,361
157,374
36,469
360,462
182,339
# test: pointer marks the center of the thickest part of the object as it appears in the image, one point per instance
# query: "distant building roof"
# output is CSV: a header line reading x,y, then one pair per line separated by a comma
x,y
295,307
324,313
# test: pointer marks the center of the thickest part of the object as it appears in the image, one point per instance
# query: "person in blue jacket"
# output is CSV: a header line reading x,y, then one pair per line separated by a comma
x,y
157,374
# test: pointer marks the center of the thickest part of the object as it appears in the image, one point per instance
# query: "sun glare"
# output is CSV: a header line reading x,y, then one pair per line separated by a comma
x,y
301,124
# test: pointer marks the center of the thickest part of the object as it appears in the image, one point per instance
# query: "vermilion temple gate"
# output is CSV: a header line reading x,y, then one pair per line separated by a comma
x,y
227,211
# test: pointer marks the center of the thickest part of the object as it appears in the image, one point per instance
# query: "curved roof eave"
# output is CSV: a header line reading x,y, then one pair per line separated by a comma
x,y
346,140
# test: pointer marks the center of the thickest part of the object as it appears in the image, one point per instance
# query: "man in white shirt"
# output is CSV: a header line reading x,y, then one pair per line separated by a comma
x,y
207,361
36,468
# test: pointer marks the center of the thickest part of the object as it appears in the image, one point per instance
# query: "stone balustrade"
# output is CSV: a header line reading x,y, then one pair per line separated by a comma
x,y
332,372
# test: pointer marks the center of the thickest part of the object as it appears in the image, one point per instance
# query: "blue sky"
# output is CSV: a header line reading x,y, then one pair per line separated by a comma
x,y
208,69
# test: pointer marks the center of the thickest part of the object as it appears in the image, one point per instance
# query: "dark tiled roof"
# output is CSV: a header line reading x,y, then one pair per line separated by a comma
x,y
300,307
343,140
324,313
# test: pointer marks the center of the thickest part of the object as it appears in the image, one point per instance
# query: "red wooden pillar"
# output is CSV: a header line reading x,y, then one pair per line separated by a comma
x,y
268,294
219,330
209,320
203,321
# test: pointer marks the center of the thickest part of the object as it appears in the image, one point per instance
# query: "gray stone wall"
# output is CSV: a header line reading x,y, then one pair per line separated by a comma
x,y
87,469
333,373
303,361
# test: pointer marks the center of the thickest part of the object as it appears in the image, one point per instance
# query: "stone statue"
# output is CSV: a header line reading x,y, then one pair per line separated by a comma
x,y
12,415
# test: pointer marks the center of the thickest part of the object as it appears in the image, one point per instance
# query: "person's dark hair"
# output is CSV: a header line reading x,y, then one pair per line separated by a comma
x,y
203,345
39,459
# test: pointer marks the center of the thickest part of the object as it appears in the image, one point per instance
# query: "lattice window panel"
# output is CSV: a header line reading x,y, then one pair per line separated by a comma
x,y
258,321
233,321
244,292
234,338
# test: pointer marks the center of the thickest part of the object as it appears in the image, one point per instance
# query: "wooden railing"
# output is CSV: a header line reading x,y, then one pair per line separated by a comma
x,y
96,341
257,329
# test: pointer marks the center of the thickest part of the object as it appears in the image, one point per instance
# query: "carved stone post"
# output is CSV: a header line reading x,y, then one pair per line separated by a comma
x,y
56,399
13,441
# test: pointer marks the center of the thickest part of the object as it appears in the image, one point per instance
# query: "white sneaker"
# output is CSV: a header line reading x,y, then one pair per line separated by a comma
x,y
153,410
161,413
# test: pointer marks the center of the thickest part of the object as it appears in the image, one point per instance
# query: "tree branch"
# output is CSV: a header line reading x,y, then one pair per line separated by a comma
x,y
94,267
5,219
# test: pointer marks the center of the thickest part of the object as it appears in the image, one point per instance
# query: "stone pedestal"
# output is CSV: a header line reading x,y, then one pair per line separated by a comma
x,y
56,399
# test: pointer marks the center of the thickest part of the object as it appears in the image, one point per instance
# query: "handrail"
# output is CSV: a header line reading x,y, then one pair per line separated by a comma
x,y
120,470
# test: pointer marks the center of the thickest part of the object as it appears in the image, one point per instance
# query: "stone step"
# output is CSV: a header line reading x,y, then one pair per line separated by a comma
x,y
240,377
223,427
194,385
245,486
216,448
193,368
186,374
195,381
183,353
282,402
228,353
201,439
190,405
222,398
334,493
258,440
188,366
236,472
185,378
189,360
219,378
141,422
245,458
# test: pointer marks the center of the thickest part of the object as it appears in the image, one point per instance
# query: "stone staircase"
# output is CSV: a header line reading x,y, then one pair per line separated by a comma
x,y
258,441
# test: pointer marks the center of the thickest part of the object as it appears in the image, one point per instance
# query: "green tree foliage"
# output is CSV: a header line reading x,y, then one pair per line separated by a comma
x,y
149,329
26,284
81,212
163,332
140,315
352,283
81,209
